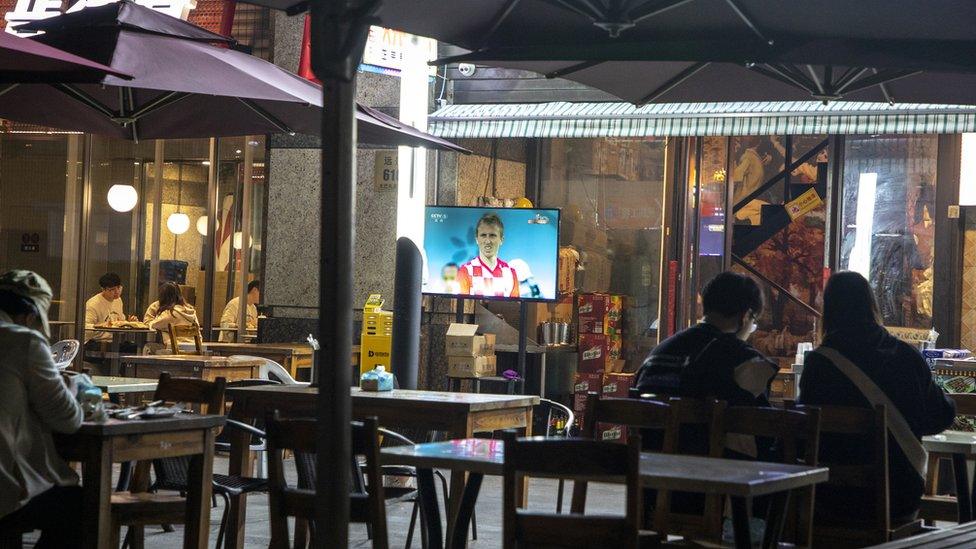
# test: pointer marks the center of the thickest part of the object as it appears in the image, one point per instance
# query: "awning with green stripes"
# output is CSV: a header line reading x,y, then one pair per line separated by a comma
x,y
697,119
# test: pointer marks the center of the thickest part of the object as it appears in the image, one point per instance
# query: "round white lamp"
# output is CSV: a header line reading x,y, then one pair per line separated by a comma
x,y
178,223
122,198
202,225
239,240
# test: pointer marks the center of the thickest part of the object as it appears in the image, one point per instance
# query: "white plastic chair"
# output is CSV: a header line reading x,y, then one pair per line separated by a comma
x,y
64,352
270,370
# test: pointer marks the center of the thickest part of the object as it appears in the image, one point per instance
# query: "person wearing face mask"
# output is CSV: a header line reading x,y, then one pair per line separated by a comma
x,y
712,358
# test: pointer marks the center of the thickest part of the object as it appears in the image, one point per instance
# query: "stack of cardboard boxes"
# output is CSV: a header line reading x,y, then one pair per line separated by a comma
x,y
600,364
469,354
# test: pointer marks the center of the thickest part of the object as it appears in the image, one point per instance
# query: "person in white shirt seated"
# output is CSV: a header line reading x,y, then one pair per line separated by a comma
x,y
173,310
102,307
232,311
38,490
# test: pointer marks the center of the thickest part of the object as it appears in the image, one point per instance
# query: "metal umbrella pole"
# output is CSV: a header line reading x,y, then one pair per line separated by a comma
x,y
339,31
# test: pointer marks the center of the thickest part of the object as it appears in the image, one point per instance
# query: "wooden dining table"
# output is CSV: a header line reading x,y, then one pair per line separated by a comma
x,y
297,358
208,367
139,336
960,447
97,445
741,481
460,415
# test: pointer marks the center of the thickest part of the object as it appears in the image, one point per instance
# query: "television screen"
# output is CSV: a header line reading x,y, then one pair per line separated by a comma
x,y
491,253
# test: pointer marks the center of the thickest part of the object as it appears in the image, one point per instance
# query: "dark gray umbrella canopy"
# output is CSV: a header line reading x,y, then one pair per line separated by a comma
x,y
23,60
183,86
641,82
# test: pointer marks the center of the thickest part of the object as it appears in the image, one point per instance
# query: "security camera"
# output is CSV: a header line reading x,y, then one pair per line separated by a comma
x,y
466,69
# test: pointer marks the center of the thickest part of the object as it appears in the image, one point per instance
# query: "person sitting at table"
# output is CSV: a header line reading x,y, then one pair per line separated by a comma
x,y
712,357
38,490
173,311
233,310
153,309
102,307
860,364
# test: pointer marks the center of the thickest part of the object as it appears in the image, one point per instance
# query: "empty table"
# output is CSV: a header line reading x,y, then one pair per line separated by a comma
x,y
740,480
459,414
200,366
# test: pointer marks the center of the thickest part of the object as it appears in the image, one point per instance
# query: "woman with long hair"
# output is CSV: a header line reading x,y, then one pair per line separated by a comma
x,y
858,363
173,310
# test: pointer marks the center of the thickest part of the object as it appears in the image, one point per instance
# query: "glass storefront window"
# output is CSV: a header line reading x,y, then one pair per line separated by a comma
x,y
611,192
147,233
40,208
887,228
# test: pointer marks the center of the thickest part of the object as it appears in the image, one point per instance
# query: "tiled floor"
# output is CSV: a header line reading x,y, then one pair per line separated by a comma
x,y
542,495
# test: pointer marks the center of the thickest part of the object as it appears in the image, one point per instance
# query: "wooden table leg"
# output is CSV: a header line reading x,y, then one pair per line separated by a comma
x,y
97,505
740,523
775,519
239,463
199,483
461,521
431,516
964,495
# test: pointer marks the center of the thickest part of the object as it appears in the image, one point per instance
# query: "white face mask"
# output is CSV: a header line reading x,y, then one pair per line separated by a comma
x,y
747,330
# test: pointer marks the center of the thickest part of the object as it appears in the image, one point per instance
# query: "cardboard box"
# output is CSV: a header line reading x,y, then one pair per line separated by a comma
x,y
784,386
583,384
462,340
471,366
617,385
611,432
599,313
568,262
597,353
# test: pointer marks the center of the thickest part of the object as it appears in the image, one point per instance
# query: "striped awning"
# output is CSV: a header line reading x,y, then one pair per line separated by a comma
x,y
697,119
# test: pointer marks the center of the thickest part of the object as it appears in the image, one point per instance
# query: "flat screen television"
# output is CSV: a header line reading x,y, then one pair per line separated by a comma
x,y
491,253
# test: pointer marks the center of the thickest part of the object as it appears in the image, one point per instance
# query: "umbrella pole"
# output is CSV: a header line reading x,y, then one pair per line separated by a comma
x,y
338,37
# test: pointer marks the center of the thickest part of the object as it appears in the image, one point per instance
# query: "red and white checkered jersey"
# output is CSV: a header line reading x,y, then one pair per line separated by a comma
x,y
476,278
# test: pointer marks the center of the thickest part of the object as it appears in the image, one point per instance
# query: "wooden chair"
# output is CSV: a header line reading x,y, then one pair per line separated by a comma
x,y
796,435
943,507
634,414
185,331
687,431
868,428
140,506
572,459
298,435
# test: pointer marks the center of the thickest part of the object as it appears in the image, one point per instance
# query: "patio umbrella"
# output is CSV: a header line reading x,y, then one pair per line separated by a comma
x,y
183,85
667,73
23,60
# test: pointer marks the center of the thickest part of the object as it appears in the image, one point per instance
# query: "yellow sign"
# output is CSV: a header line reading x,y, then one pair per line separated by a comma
x,y
803,204
910,335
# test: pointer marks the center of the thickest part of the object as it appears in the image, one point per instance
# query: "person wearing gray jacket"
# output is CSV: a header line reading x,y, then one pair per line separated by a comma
x,y
38,490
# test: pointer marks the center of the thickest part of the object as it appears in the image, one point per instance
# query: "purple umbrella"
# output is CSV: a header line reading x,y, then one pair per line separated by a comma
x,y
183,86
23,60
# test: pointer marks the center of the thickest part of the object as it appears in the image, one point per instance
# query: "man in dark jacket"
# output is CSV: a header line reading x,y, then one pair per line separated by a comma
x,y
852,327
712,358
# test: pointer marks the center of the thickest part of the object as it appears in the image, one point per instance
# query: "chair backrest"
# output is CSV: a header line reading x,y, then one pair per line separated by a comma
x,y
633,413
208,394
687,432
64,352
177,331
866,427
367,504
796,436
572,459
